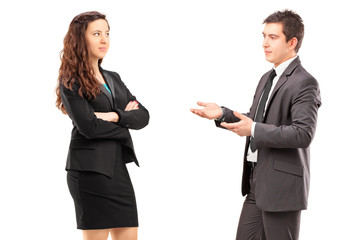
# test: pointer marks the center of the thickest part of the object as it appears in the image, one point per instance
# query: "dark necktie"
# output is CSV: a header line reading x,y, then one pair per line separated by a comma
x,y
259,117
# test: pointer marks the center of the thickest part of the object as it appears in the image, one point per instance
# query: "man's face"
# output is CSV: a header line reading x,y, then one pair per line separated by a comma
x,y
276,49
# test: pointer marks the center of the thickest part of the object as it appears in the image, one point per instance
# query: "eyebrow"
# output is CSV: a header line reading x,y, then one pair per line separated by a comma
x,y
271,35
101,31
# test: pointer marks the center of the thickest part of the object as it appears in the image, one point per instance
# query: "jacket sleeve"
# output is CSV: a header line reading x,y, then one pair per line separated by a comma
x,y
300,132
84,119
135,119
229,117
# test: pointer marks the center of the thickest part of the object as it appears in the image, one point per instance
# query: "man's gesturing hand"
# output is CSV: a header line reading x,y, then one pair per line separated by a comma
x,y
210,110
241,128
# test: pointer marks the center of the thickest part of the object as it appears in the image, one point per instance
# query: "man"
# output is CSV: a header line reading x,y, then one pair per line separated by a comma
x,y
279,128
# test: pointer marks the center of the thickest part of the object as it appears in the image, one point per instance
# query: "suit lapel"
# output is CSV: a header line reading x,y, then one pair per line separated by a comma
x,y
109,81
283,78
108,95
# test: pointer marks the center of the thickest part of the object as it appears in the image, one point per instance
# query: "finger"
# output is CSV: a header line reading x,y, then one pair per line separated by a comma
x,y
239,115
230,126
202,104
136,105
197,112
224,124
99,114
129,106
132,105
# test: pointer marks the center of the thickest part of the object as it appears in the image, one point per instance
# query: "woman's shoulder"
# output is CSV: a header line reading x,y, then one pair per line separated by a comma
x,y
112,75
110,72
69,85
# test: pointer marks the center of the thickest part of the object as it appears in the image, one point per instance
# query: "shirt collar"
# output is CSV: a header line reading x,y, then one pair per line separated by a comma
x,y
281,68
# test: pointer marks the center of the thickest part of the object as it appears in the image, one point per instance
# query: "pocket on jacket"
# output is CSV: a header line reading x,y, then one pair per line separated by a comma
x,y
288,168
79,143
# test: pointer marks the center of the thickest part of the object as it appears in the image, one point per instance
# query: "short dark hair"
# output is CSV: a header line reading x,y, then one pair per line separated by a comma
x,y
292,23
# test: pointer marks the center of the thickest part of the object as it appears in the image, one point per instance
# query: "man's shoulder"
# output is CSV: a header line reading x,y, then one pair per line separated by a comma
x,y
302,73
303,78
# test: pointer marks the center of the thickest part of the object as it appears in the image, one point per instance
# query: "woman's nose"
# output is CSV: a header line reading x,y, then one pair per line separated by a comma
x,y
104,38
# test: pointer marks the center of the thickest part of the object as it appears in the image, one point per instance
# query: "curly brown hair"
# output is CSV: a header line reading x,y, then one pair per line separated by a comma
x,y
75,62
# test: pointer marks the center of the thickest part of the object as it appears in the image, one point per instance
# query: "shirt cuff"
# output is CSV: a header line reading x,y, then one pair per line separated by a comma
x,y
253,129
222,117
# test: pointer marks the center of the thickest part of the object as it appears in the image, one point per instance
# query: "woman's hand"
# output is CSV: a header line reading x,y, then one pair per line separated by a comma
x,y
108,116
113,116
133,105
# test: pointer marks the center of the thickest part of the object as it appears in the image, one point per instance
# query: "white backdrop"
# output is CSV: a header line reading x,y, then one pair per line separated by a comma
x,y
171,54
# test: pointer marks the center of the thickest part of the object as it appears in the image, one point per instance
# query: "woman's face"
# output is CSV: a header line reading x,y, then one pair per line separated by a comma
x,y
97,39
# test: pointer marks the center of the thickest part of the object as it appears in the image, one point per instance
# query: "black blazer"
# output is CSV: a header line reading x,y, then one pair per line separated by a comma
x,y
95,143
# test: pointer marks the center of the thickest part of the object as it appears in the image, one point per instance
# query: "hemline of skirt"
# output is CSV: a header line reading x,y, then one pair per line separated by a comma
x,y
99,228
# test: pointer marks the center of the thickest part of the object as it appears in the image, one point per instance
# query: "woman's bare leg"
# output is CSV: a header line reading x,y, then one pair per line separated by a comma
x,y
101,234
126,233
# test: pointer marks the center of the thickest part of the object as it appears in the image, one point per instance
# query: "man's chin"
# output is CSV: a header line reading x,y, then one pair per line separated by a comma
x,y
269,59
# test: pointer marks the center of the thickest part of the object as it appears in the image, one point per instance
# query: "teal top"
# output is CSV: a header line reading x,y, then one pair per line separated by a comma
x,y
107,88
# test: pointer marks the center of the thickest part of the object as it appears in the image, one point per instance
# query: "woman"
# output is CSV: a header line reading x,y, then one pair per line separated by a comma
x,y
102,110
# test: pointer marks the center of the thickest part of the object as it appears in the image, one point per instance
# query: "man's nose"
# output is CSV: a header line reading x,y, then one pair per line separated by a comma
x,y
265,42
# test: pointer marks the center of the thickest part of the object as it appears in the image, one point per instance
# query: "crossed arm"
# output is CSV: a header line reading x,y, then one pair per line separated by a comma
x,y
113,116
99,125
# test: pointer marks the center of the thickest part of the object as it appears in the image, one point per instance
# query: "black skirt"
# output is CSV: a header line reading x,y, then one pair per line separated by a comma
x,y
102,202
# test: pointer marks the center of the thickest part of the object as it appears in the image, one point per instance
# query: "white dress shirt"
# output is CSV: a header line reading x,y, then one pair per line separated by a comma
x,y
252,156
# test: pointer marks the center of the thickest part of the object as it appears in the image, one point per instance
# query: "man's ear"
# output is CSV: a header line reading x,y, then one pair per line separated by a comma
x,y
292,43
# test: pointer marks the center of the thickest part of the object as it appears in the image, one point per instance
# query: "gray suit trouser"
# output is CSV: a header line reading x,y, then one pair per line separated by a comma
x,y
256,224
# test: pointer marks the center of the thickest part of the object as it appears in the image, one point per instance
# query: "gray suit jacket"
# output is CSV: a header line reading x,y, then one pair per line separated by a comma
x,y
283,140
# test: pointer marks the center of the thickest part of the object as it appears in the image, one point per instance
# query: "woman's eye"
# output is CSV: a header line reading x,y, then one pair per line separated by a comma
x,y
107,34
96,34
